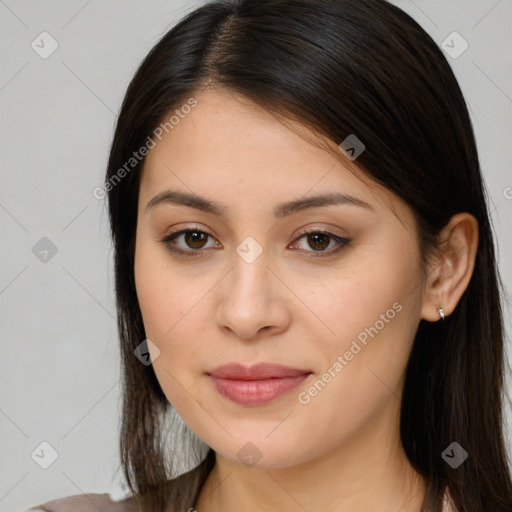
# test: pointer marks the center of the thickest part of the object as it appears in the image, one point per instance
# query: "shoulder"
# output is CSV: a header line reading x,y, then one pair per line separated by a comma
x,y
182,491
86,503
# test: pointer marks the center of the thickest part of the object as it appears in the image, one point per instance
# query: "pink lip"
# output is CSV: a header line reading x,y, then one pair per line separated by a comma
x,y
257,384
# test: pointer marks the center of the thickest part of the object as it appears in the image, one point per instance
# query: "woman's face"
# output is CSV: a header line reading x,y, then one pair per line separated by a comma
x,y
251,287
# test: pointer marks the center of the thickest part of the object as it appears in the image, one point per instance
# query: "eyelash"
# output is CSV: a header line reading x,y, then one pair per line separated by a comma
x,y
168,241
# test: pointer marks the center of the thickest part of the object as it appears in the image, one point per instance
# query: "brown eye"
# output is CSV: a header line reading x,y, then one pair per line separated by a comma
x,y
320,241
194,241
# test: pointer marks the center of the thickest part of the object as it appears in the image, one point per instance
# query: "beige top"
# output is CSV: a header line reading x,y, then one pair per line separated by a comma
x,y
103,502
86,503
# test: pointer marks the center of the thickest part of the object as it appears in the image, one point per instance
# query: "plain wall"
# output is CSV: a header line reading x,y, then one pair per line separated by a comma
x,y
60,360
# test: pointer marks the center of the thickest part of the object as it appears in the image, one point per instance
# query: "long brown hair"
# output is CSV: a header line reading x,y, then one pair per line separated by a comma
x,y
340,67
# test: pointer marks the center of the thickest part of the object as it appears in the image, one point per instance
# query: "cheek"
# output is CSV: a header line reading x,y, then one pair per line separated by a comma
x,y
371,295
170,308
363,364
168,312
163,294
369,316
172,303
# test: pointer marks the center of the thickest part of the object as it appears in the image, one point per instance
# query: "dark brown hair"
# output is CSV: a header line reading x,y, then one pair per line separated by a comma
x,y
340,67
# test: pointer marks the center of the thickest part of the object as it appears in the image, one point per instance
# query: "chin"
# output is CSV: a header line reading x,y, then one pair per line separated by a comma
x,y
262,451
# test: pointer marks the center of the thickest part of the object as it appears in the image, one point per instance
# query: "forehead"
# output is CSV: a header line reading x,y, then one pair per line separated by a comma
x,y
228,147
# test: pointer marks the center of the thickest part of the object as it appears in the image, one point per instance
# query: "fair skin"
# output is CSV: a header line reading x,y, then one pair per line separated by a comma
x,y
341,450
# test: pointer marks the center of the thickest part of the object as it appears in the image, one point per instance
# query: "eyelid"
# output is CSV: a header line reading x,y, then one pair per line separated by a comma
x,y
194,227
318,229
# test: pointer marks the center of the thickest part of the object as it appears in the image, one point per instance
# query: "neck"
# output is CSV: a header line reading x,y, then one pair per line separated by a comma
x,y
370,471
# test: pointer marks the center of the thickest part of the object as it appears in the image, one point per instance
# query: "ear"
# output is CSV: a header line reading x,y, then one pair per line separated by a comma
x,y
452,267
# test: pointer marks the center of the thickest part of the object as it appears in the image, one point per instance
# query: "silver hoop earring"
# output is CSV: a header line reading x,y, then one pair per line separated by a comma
x,y
441,313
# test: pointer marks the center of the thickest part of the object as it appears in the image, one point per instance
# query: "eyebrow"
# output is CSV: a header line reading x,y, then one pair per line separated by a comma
x,y
192,200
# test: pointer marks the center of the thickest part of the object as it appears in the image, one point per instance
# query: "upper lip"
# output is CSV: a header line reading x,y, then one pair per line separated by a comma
x,y
255,372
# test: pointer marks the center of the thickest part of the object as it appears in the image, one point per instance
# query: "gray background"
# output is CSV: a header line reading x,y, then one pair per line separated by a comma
x,y
60,362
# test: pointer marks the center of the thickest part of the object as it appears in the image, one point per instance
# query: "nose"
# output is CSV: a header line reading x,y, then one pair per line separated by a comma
x,y
253,300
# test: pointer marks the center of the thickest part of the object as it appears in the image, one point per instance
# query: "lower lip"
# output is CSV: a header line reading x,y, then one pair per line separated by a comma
x,y
256,392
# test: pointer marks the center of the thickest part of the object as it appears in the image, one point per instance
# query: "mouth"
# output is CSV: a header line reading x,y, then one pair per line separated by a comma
x,y
258,384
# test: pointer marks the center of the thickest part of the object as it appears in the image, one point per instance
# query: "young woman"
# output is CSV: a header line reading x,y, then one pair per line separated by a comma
x,y
305,269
